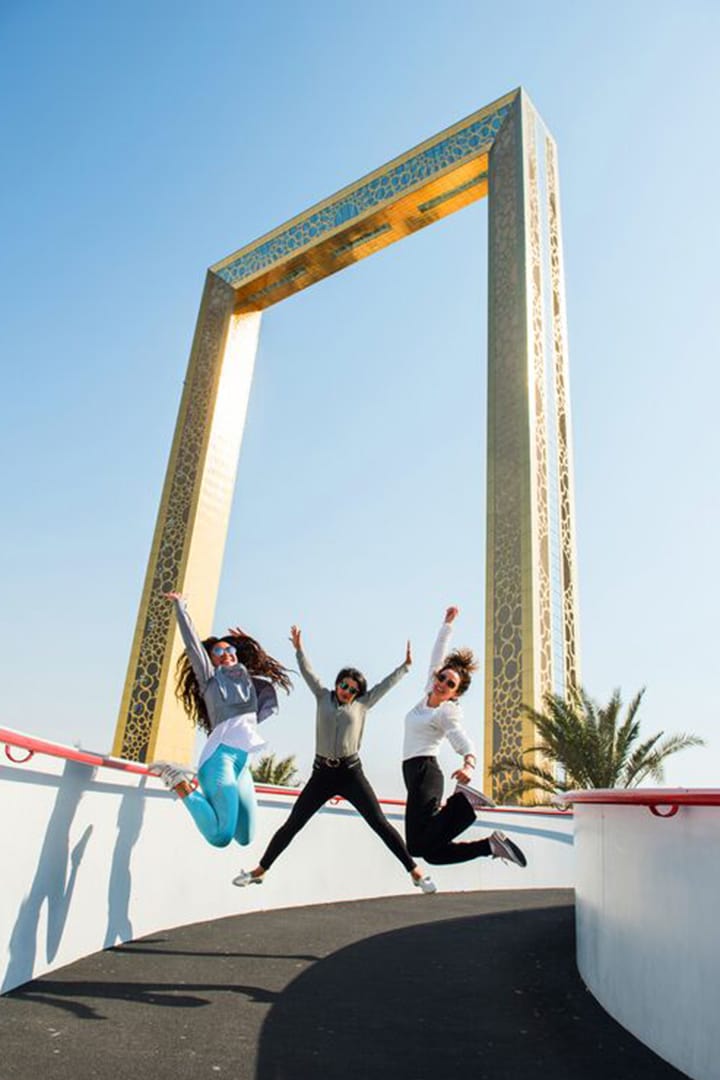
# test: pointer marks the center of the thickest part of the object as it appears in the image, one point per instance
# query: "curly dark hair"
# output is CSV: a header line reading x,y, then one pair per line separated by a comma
x,y
249,652
463,663
355,675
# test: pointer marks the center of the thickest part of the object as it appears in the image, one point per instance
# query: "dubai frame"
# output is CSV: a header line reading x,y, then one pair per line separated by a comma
x,y
531,634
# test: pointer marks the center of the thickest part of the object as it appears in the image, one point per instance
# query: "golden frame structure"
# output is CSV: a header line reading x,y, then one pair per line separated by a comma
x,y
505,151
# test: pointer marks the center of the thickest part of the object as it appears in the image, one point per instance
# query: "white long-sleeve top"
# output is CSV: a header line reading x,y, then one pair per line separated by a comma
x,y
426,727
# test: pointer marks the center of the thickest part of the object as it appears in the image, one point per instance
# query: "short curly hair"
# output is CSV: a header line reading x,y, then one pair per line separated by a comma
x,y
463,663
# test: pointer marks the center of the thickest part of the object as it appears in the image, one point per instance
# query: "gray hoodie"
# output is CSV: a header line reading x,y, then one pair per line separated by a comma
x,y
227,691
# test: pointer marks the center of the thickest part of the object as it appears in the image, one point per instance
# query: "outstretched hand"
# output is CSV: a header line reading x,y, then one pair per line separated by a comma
x,y
173,596
463,774
296,637
408,654
451,614
237,631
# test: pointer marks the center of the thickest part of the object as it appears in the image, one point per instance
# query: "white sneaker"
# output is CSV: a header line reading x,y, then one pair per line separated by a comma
x,y
425,883
246,878
171,775
476,798
505,849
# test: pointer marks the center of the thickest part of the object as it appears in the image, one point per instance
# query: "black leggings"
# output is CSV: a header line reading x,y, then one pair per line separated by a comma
x,y
429,831
350,782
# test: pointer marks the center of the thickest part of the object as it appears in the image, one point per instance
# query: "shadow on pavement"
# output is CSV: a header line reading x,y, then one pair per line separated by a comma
x,y
474,986
492,997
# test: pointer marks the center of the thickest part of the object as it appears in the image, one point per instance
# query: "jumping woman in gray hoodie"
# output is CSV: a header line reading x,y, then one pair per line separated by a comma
x,y
227,686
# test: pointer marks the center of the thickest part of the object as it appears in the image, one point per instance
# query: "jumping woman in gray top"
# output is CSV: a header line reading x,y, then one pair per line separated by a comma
x,y
339,724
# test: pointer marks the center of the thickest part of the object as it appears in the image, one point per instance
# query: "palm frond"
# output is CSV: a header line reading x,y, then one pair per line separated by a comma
x,y
590,746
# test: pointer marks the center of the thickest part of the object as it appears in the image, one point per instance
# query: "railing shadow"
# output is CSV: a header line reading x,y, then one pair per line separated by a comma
x,y
67,996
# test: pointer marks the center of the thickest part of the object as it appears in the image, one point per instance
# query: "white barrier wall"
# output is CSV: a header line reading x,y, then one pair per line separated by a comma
x,y
648,945
94,857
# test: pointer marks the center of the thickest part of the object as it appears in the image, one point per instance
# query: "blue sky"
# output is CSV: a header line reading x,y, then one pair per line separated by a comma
x,y
145,141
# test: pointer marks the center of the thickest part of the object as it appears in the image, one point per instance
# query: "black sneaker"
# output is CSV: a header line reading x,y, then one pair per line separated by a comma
x,y
504,849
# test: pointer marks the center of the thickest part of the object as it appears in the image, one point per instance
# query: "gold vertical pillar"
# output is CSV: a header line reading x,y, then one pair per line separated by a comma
x,y
531,596
192,523
564,431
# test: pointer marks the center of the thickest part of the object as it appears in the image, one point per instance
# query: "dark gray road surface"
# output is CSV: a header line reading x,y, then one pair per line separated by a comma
x,y
480,986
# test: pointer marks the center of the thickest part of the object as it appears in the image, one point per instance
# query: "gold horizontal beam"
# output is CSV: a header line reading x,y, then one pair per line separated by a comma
x,y
425,184
367,234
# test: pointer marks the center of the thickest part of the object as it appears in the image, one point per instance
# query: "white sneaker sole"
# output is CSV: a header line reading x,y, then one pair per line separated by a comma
x,y
246,879
426,884
479,796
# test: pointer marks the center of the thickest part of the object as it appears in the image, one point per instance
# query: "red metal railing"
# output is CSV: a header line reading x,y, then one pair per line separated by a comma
x,y
69,753
19,740
663,802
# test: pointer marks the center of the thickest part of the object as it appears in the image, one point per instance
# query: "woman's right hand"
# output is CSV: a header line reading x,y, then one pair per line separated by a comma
x,y
451,614
173,596
296,637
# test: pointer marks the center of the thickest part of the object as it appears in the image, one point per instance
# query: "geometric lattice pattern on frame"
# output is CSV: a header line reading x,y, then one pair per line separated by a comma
x,y
531,645
157,632
507,419
381,188
564,441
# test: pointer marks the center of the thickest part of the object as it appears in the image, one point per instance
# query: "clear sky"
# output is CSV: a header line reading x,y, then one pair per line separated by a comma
x,y
146,140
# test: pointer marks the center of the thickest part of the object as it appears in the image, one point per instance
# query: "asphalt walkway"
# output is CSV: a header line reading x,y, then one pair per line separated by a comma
x,y
480,986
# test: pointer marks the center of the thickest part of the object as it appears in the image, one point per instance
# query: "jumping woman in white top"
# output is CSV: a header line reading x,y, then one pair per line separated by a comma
x,y
430,830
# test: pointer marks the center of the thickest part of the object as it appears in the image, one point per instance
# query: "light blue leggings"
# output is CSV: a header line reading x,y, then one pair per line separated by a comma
x,y
223,807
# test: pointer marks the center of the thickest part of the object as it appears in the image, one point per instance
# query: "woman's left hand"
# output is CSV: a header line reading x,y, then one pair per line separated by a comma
x,y
237,631
463,774
408,654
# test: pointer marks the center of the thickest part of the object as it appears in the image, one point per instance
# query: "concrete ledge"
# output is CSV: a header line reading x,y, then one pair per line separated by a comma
x,y
648,945
93,857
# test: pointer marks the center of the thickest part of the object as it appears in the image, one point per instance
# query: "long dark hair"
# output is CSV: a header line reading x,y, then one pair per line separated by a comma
x,y
463,663
250,653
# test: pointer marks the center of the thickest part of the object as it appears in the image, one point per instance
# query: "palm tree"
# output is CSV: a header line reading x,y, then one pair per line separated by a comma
x,y
583,745
269,771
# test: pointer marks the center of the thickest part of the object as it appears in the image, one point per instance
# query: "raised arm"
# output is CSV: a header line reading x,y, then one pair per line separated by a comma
x,y
306,671
440,648
197,655
380,689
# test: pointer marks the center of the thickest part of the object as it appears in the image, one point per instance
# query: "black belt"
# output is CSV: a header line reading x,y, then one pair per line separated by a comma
x,y
336,762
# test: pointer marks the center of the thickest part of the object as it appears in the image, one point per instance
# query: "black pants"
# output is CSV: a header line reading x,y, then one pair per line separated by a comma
x,y
350,782
429,831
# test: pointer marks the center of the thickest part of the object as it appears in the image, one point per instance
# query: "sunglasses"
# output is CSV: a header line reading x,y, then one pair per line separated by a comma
x,y
348,687
447,681
218,650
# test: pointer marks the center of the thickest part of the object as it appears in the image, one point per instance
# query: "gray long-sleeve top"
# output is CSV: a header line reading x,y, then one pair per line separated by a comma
x,y
339,728
227,691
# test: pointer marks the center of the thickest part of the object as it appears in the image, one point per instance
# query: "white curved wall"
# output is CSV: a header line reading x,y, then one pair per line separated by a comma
x,y
648,945
93,857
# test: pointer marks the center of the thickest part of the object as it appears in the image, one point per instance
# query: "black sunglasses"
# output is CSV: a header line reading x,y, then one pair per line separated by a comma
x,y
447,681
